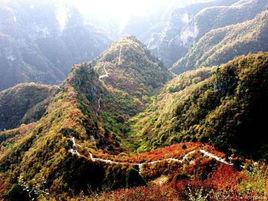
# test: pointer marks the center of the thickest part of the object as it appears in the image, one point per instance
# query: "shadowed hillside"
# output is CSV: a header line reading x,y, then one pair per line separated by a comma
x,y
24,103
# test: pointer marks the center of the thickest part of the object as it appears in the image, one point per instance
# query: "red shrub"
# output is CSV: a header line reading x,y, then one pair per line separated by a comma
x,y
225,178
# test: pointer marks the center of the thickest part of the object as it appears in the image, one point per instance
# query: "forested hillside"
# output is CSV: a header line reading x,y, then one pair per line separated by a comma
x,y
89,110
24,103
224,106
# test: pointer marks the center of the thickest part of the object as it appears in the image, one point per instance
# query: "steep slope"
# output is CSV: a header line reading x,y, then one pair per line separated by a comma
x,y
23,103
169,44
221,16
39,41
15,69
221,45
188,24
224,106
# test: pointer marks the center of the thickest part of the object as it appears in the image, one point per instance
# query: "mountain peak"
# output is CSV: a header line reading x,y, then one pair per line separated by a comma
x,y
130,38
129,66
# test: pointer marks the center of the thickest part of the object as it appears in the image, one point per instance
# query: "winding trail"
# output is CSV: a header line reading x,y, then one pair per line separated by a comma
x,y
99,103
205,153
120,54
106,74
210,155
73,150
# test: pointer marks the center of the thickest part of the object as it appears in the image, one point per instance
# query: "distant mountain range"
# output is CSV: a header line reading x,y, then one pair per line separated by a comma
x,y
187,25
223,44
174,39
41,41
38,43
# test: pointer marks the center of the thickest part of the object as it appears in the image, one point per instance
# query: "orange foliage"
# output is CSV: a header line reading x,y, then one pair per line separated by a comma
x,y
174,151
225,178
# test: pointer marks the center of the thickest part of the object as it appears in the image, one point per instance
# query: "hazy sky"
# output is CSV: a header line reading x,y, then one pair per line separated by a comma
x,y
117,8
123,9
104,12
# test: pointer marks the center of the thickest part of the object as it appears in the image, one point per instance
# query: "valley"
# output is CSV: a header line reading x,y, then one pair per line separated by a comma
x,y
176,111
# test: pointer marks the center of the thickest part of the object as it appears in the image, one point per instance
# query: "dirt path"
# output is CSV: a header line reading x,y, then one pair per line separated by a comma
x,y
205,153
120,54
106,74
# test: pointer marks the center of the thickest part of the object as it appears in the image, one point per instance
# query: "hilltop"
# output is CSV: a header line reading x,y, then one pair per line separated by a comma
x,y
130,67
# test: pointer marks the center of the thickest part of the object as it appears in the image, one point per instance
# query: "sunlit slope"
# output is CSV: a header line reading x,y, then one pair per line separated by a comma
x,y
178,33
221,16
187,25
130,67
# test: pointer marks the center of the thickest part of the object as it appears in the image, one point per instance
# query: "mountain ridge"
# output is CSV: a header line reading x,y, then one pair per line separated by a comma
x,y
221,45
124,127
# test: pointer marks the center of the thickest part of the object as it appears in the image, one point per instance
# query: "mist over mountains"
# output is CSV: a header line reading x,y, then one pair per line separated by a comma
x,y
133,100
41,40
37,45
